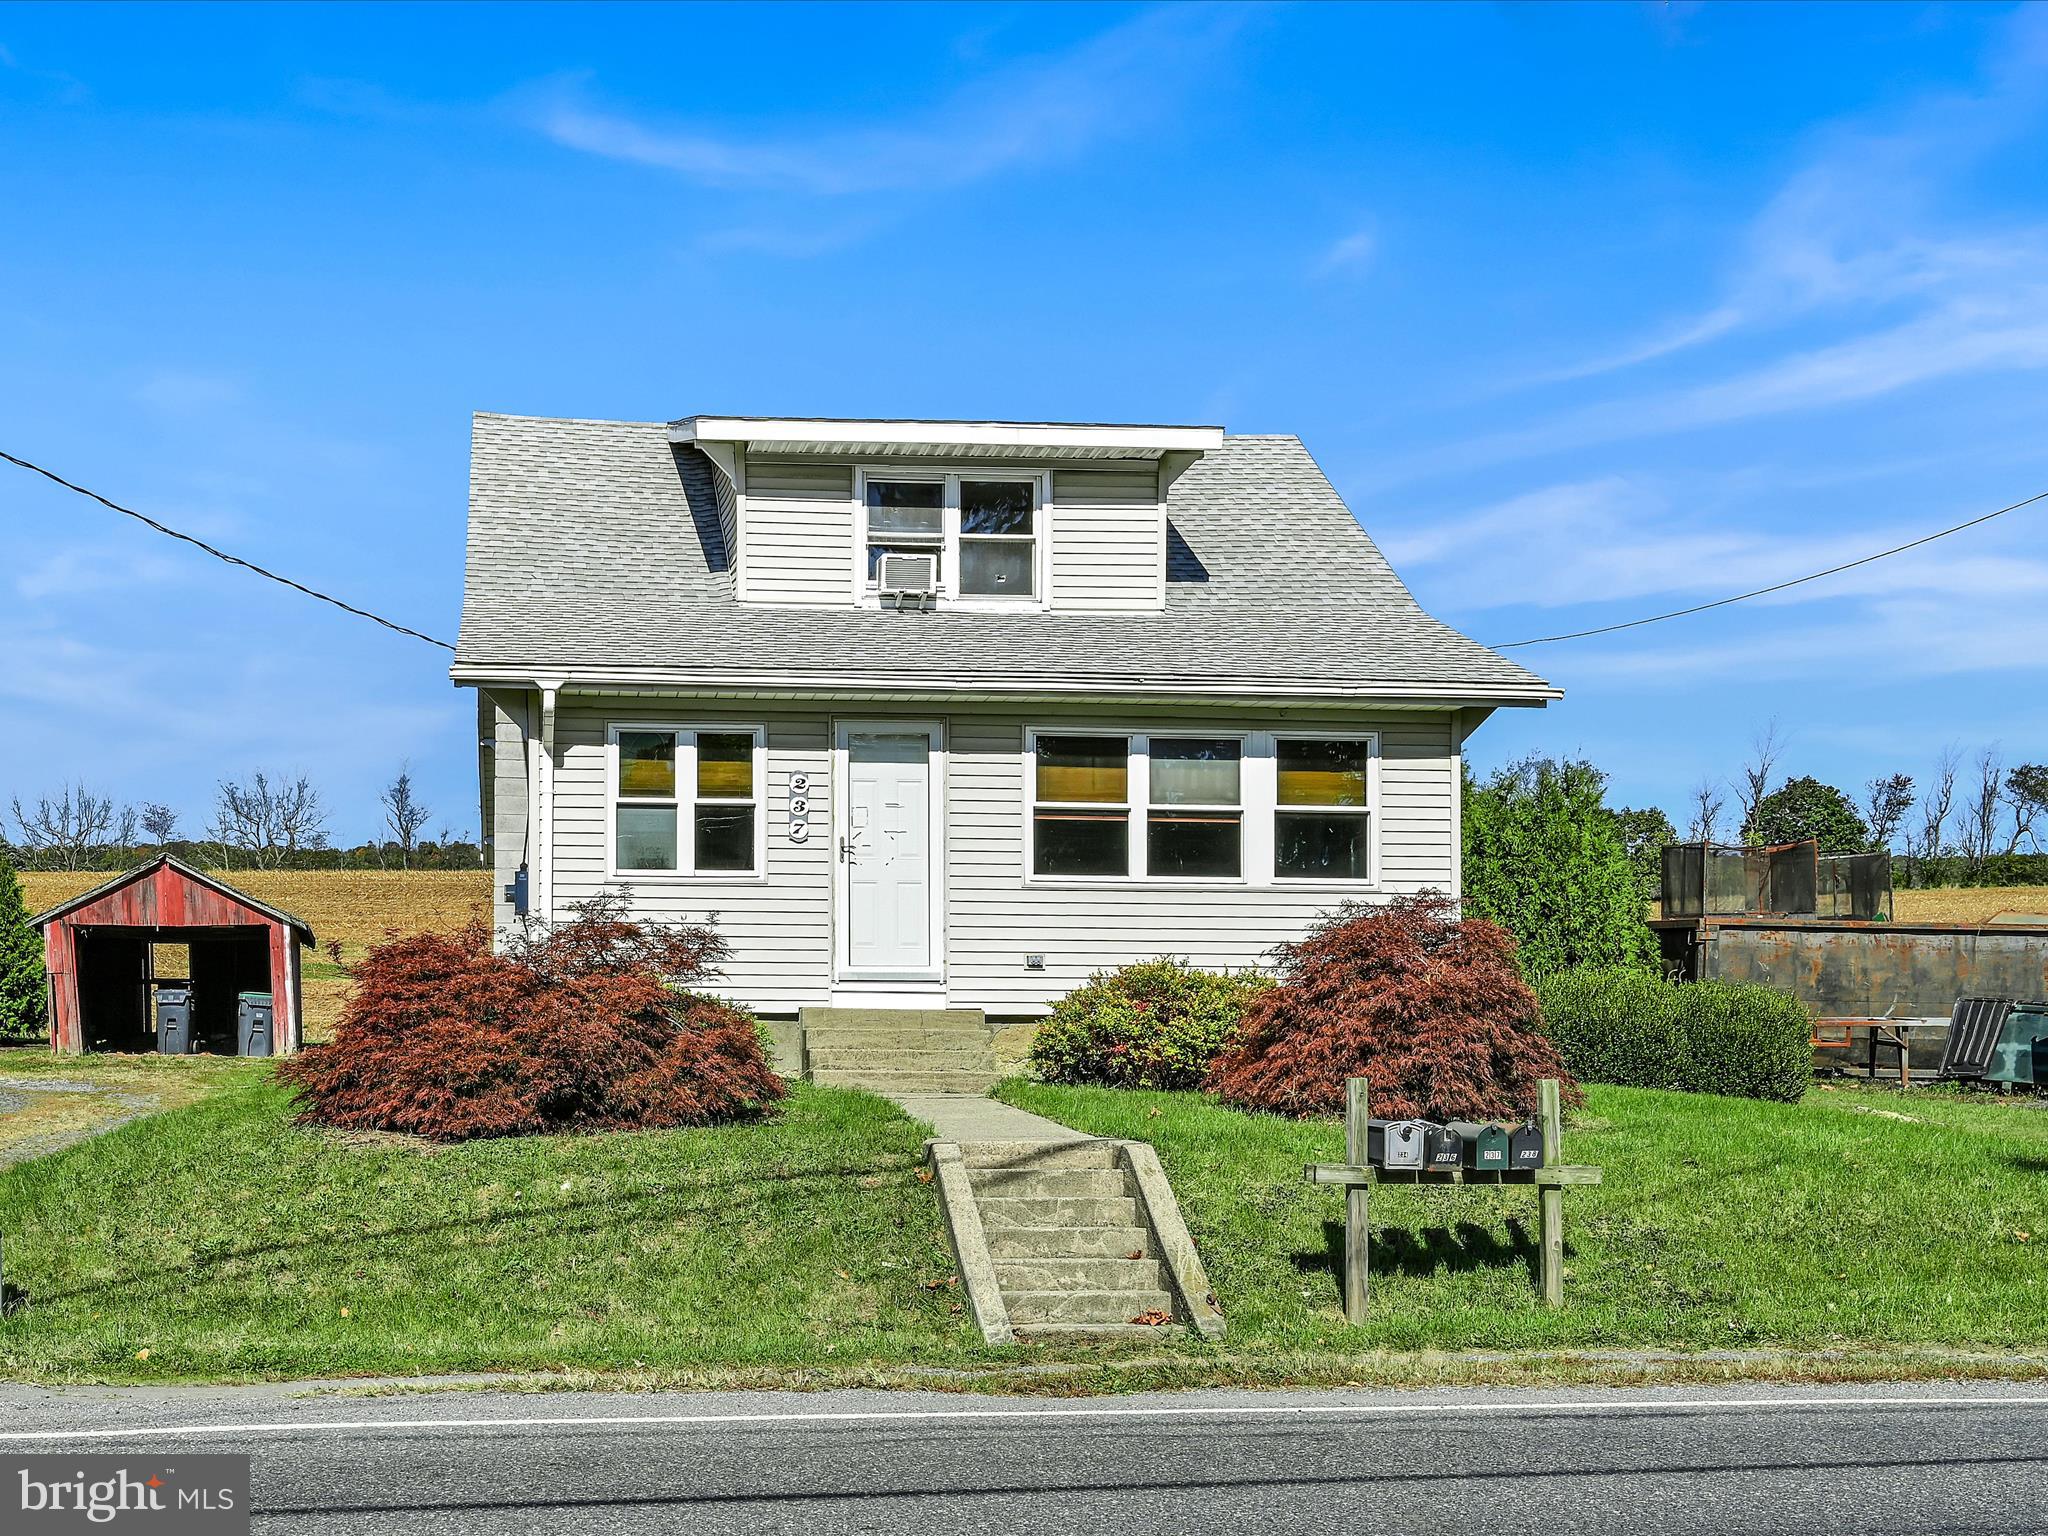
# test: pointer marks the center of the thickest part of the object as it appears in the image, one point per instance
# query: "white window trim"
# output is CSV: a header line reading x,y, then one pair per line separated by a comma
x,y
865,593
686,824
1258,803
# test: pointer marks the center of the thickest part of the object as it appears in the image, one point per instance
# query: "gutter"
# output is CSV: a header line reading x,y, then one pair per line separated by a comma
x,y
1022,688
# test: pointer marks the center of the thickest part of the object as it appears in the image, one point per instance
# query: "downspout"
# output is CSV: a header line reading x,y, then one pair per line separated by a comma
x,y
542,840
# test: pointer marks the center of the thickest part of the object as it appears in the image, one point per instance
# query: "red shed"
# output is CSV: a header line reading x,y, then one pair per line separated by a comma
x,y
98,950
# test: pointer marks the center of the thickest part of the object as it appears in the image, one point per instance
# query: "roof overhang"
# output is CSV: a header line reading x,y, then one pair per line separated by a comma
x,y
1012,688
981,439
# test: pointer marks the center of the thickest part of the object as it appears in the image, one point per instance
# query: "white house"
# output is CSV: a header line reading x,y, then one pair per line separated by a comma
x,y
947,714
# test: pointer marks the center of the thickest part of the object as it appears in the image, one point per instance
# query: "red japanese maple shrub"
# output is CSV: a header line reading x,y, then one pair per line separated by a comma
x,y
1430,1010
582,1026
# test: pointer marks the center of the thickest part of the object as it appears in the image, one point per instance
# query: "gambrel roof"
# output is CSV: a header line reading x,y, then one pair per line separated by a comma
x,y
595,552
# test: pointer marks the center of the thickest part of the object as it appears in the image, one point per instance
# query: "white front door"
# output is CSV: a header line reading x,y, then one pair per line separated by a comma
x,y
887,851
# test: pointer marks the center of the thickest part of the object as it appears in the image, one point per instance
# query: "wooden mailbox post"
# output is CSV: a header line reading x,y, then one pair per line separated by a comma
x,y
1357,1178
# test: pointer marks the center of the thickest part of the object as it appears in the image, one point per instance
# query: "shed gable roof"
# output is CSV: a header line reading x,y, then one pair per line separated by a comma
x,y
594,547
166,861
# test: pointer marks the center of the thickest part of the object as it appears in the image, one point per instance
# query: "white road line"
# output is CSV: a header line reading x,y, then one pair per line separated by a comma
x,y
928,1415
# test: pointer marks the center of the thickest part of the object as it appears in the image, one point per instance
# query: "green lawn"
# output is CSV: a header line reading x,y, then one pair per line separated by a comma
x,y
1722,1222
221,1240
226,1241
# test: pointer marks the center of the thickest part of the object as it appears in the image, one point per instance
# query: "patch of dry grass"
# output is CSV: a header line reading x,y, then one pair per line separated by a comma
x,y
1976,904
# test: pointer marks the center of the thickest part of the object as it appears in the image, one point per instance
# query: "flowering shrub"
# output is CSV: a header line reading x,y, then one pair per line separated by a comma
x,y
582,1026
1157,1024
1431,1011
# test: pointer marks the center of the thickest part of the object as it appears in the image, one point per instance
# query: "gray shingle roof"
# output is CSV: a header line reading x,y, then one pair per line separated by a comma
x,y
594,548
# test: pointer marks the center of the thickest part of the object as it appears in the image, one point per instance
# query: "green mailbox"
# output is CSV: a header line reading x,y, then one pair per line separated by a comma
x,y
1486,1145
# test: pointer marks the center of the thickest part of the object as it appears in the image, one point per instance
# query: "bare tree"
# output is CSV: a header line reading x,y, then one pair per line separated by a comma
x,y
1885,803
1984,810
159,821
1706,812
267,823
1765,748
66,832
404,814
2026,791
1936,802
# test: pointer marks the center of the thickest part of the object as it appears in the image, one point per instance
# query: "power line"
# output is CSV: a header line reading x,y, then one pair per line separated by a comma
x,y
221,554
1743,597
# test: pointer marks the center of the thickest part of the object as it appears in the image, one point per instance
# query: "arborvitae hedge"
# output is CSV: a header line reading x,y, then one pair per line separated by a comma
x,y
1628,1027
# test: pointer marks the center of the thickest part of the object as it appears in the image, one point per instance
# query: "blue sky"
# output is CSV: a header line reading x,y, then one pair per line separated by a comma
x,y
1588,312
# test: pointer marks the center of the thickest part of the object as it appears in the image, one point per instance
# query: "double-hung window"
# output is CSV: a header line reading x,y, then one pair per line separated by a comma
x,y
686,800
1322,823
1162,807
1255,808
985,530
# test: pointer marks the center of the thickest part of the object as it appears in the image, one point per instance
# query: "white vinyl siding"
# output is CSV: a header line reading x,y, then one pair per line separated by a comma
x,y
798,532
798,524
728,519
780,928
1108,541
502,716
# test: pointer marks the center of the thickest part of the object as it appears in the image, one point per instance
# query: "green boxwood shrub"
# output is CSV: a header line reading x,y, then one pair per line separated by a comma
x,y
1631,1028
1156,1024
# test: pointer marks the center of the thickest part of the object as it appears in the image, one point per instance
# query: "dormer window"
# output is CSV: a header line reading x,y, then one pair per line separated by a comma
x,y
985,528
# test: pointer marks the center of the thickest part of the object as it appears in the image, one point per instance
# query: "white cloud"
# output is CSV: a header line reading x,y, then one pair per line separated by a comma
x,y
1031,113
1613,538
1859,257
83,568
1353,253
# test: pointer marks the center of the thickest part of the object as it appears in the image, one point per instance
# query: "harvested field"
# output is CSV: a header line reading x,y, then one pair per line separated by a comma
x,y
354,908
1974,904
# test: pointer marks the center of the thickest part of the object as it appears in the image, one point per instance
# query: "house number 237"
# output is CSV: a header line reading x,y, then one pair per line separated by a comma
x,y
799,807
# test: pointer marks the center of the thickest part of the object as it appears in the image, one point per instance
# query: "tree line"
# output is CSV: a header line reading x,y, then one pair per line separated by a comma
x,y
267,821
1969,820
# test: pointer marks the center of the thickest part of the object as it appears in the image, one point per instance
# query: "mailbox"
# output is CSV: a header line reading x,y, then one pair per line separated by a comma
x,y
1525,1146
1394,1143
1486,1146
174,1021
1442,1147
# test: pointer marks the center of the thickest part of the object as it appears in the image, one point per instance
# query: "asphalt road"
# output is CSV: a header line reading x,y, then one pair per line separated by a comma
x,y
1952,1459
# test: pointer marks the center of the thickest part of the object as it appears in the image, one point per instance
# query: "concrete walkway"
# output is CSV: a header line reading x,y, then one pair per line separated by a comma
x,y
970,1117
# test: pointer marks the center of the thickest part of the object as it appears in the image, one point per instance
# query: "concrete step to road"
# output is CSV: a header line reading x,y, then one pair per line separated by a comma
x,y
1017,1244
1082,1333
1038,1154
1003,1211
1116,1274
1050,1183
1084,1306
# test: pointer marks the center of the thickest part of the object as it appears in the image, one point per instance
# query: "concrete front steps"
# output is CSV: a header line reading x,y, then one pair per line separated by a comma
x,y
899,1050
1058,1239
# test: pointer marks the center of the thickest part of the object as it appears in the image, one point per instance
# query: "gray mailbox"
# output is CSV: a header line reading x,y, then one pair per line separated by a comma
x,y
1525,1146
1442,1147
1394,1143
1486,1145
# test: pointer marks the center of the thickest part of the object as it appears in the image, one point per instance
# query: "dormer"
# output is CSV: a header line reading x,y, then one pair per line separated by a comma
x,y
998,516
